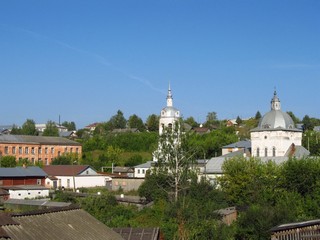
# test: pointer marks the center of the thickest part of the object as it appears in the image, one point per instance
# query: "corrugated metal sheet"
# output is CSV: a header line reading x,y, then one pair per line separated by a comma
x,y
139,233
71,224
22,172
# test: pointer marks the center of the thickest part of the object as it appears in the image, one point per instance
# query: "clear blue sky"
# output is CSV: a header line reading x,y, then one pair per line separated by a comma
x,y
84,60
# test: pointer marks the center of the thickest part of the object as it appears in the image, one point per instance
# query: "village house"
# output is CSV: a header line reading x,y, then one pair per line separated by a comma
x,y
37,148
24,182
74,176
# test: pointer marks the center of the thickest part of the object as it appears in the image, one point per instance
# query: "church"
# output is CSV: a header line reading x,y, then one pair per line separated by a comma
x,y
276,134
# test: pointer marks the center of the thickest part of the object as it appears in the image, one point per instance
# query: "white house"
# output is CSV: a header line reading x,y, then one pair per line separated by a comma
x,y
141,170
74,176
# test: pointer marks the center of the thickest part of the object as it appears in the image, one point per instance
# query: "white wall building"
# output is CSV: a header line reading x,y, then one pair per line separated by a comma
x,y
276,133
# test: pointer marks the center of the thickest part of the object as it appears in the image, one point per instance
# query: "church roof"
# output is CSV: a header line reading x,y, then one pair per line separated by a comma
x,y
275,119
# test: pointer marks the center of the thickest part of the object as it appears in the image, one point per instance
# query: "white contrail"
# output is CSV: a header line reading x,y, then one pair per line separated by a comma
x,y
102,60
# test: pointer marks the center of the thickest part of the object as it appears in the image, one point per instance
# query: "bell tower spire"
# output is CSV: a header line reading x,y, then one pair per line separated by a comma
x,y
275,102
169,97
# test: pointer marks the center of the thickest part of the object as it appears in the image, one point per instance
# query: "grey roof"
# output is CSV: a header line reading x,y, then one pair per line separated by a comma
x,y
170,112
214,165
289,226
297,151
139,233
145,165
60,223
37,140
40,202
22,172
241,144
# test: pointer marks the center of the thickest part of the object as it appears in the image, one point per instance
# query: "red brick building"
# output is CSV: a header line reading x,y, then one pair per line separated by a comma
x,y
37,148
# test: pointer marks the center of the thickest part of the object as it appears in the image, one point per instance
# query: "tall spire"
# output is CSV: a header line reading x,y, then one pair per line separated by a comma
x,y
169,97
275,102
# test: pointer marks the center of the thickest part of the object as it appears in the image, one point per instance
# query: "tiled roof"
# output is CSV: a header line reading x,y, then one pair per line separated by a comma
x,y
55,224
22,172
37,140
64,170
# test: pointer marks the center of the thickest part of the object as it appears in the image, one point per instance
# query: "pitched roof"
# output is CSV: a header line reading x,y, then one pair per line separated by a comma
x,y
65,170
22,172
240,144
145,165
139,233
37,140
59,223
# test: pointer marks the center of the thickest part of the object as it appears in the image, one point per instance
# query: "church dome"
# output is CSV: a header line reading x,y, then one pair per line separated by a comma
x,y
276,119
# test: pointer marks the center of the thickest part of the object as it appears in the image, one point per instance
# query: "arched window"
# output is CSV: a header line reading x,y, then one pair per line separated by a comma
x,y
258,152
266,152
170,125
273,151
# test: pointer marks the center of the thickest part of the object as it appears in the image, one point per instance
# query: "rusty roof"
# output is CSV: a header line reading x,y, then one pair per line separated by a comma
x,y
64,170
37,140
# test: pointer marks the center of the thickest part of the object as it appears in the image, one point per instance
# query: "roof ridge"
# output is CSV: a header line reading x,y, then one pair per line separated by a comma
x,y
45,211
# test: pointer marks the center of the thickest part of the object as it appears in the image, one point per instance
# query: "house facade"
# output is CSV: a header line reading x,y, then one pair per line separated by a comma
x,y
74,176
37,148
24,182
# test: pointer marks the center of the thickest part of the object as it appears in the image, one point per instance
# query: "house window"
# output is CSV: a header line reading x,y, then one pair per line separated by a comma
x,y
65,149
38,181
266,152
32,150
6,150
26,150
46,161
87,172
20,150
143,171
71,150
59,153
40,150
68,183
138,171
52,150
77,150
46,150
274,151
33,161
13,150
258,152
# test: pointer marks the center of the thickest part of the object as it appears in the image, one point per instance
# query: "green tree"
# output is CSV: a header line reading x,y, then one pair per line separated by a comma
x,y
239,121
71,126
135,160
258,115
16,130
191,122
117,121
29,128
135,122
8,161
175,158
211,120
307,124
153,123
51,129
294,118
113,153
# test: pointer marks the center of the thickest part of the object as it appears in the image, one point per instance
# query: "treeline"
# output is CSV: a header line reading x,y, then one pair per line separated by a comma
x,y
265,195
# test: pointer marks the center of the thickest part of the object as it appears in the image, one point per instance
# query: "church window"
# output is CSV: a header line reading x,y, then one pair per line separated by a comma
x,y
266,152
170,125
273,151
258,152
265,137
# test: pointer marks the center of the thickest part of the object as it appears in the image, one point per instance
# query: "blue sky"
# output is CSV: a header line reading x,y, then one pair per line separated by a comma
x,y
84,60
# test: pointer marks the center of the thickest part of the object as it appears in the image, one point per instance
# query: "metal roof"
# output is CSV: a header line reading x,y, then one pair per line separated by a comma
x,y
37,140
55,224
289,226
145,165
22,172
241,144
40,202
65,170
139,233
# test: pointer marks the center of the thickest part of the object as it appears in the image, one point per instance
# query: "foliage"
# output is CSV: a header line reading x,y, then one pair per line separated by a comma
x,y
175,158
191,122
65,159
16,130
294,118
258,115
8,161
211,120
134,161
135,122
311,141
152,123
29,128
51,129
117,121
71,126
